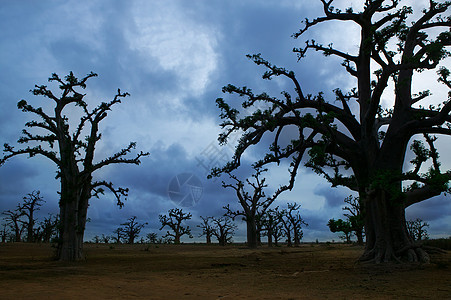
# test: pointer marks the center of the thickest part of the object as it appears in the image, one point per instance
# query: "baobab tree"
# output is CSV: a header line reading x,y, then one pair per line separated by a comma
x,y
105,238
272,227
73,154
13,220
174,220
417,229
293,216
224,229
48,228
152,238
355,217
356,139
131,229
207,229
117,235
253,204
30,204
4,233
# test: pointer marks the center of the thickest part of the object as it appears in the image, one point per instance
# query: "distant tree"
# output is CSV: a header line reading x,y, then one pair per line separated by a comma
x,y
96,239
224,229
152,238
272,226
355,217
253,204
13,219
354,138
131,229
73,155
341,226
293,216
417,229
207,229
28,207
174,221
287,227
288,223
49,228
105,238
117,235
4,232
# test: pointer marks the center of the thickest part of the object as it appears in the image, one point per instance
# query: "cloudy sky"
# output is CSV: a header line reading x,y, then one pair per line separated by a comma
x,y
173,57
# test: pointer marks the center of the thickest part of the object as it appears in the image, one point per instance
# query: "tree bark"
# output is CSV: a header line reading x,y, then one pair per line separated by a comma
x,y
269,238
73,213
252,239
387,238
359,235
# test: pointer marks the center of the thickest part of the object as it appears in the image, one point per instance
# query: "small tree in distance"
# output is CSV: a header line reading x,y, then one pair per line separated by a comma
x,y
174,221
152,238
272,226
341,226
29,205
13,219
4,233
117,235
207,229
292,215
355,217
253,204
224,229
131,229
417,229
49,228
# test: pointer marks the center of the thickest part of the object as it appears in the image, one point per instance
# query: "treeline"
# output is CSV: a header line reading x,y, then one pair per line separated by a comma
x,y
279,225
21,224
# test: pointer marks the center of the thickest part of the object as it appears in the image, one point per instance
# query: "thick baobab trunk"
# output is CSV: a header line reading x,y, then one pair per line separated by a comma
x,y
73,213
359,235
177,238
252,239
269,237
387,238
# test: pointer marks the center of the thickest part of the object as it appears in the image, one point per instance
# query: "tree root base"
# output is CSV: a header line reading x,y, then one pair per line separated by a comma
x,y
408,254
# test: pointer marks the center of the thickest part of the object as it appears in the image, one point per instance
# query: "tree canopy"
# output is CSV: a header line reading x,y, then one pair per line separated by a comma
x,y
354,139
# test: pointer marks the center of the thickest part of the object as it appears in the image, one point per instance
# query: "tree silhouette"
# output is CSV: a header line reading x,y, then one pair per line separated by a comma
x,y
272,227
152,238
292,215
356,141
355,217
4,233
13,220
207,229
117,235
29,205
105,238
131,229
48,228
174,221
73,154
341,226
417,229
253,205
224,229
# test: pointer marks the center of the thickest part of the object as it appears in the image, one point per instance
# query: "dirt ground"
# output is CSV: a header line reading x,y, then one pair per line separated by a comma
x,y
214,272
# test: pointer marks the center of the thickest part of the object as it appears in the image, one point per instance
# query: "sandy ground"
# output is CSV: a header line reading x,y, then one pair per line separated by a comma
x,y
214,272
